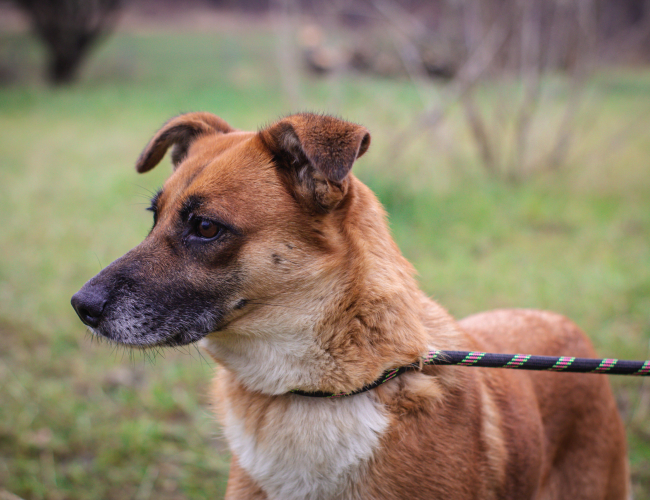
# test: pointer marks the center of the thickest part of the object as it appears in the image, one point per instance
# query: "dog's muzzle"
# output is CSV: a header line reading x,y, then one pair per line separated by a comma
x,y
132,302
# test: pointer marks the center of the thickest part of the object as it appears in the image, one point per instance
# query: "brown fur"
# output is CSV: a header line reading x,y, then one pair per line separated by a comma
x,y
309,236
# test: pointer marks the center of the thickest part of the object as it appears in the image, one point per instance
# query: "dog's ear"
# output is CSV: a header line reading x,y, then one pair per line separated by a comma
x,y
179,132
315,153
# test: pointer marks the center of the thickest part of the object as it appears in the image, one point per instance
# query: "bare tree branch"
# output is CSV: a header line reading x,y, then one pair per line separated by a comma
x,y
286,53
587,42
466,77
530,73
480,133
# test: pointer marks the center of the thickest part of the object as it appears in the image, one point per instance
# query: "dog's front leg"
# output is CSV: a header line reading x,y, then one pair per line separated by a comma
x,y
241,486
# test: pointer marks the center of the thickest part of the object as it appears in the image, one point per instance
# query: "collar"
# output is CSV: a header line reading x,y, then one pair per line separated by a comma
x,y
385,377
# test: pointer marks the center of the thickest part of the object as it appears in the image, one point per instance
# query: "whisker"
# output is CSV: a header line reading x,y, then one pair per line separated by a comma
x,y
147,354
201,355
101,268
159,351
150,191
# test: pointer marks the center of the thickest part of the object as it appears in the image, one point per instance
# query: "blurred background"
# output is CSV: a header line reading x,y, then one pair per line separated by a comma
x,y
511,148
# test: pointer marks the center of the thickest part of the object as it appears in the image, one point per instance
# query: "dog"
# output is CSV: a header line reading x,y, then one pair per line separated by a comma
x,y
271,254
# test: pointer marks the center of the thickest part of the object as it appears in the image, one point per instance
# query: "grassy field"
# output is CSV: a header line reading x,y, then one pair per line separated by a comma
x,y
79,420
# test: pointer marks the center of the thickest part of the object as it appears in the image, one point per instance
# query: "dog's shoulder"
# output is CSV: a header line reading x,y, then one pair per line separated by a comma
x,y
528,331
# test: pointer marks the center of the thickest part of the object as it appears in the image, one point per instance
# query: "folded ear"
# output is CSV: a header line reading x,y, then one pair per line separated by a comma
x,y
316,153
179,132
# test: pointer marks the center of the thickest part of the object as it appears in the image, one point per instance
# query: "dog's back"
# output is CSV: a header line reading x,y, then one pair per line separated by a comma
x,y
578,462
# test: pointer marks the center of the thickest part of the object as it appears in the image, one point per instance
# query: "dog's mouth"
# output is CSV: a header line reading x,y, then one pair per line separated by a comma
x,y
146,340
130,334
130,321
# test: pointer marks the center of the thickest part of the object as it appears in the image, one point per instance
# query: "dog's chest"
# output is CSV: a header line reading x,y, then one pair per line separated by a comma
x,y
309,448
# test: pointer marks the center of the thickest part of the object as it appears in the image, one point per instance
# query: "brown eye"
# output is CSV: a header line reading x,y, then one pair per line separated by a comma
x,y
208,229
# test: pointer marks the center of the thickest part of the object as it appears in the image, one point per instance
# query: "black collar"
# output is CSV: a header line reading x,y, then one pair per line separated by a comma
x,y
385,377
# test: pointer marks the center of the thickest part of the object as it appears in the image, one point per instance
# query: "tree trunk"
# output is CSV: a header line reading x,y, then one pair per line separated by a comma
x,y
69,29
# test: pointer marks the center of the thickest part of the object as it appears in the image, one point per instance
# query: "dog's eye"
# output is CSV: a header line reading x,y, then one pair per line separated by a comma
x,y
208,229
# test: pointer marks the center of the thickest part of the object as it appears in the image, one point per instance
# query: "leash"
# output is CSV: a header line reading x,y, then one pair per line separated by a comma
x,y
513,361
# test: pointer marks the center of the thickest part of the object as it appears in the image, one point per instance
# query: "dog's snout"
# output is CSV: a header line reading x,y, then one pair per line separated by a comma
x,y
89,304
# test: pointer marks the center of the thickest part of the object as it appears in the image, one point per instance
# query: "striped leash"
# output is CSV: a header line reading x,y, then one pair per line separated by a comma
x,y
513,361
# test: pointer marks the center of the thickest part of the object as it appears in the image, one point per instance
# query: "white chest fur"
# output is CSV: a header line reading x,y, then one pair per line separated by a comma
x,y
309,448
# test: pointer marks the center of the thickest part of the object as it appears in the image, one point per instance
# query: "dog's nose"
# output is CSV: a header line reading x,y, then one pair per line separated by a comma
x,y
89,305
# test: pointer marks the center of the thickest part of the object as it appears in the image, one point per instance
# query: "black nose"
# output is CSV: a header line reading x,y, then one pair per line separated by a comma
x,y
89,304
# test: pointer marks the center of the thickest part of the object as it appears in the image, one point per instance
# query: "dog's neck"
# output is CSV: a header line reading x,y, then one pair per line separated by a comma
x,y
363,316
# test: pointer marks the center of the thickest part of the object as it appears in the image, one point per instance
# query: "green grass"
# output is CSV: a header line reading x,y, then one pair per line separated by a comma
x,y
78,420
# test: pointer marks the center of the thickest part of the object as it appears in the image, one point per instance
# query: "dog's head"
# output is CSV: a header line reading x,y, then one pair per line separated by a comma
x,y
244,217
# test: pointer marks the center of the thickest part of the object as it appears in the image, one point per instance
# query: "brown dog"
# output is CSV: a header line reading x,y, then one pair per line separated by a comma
x,y
267,249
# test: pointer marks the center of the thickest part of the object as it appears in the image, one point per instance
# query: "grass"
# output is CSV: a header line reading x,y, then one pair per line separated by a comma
x,y
78,420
